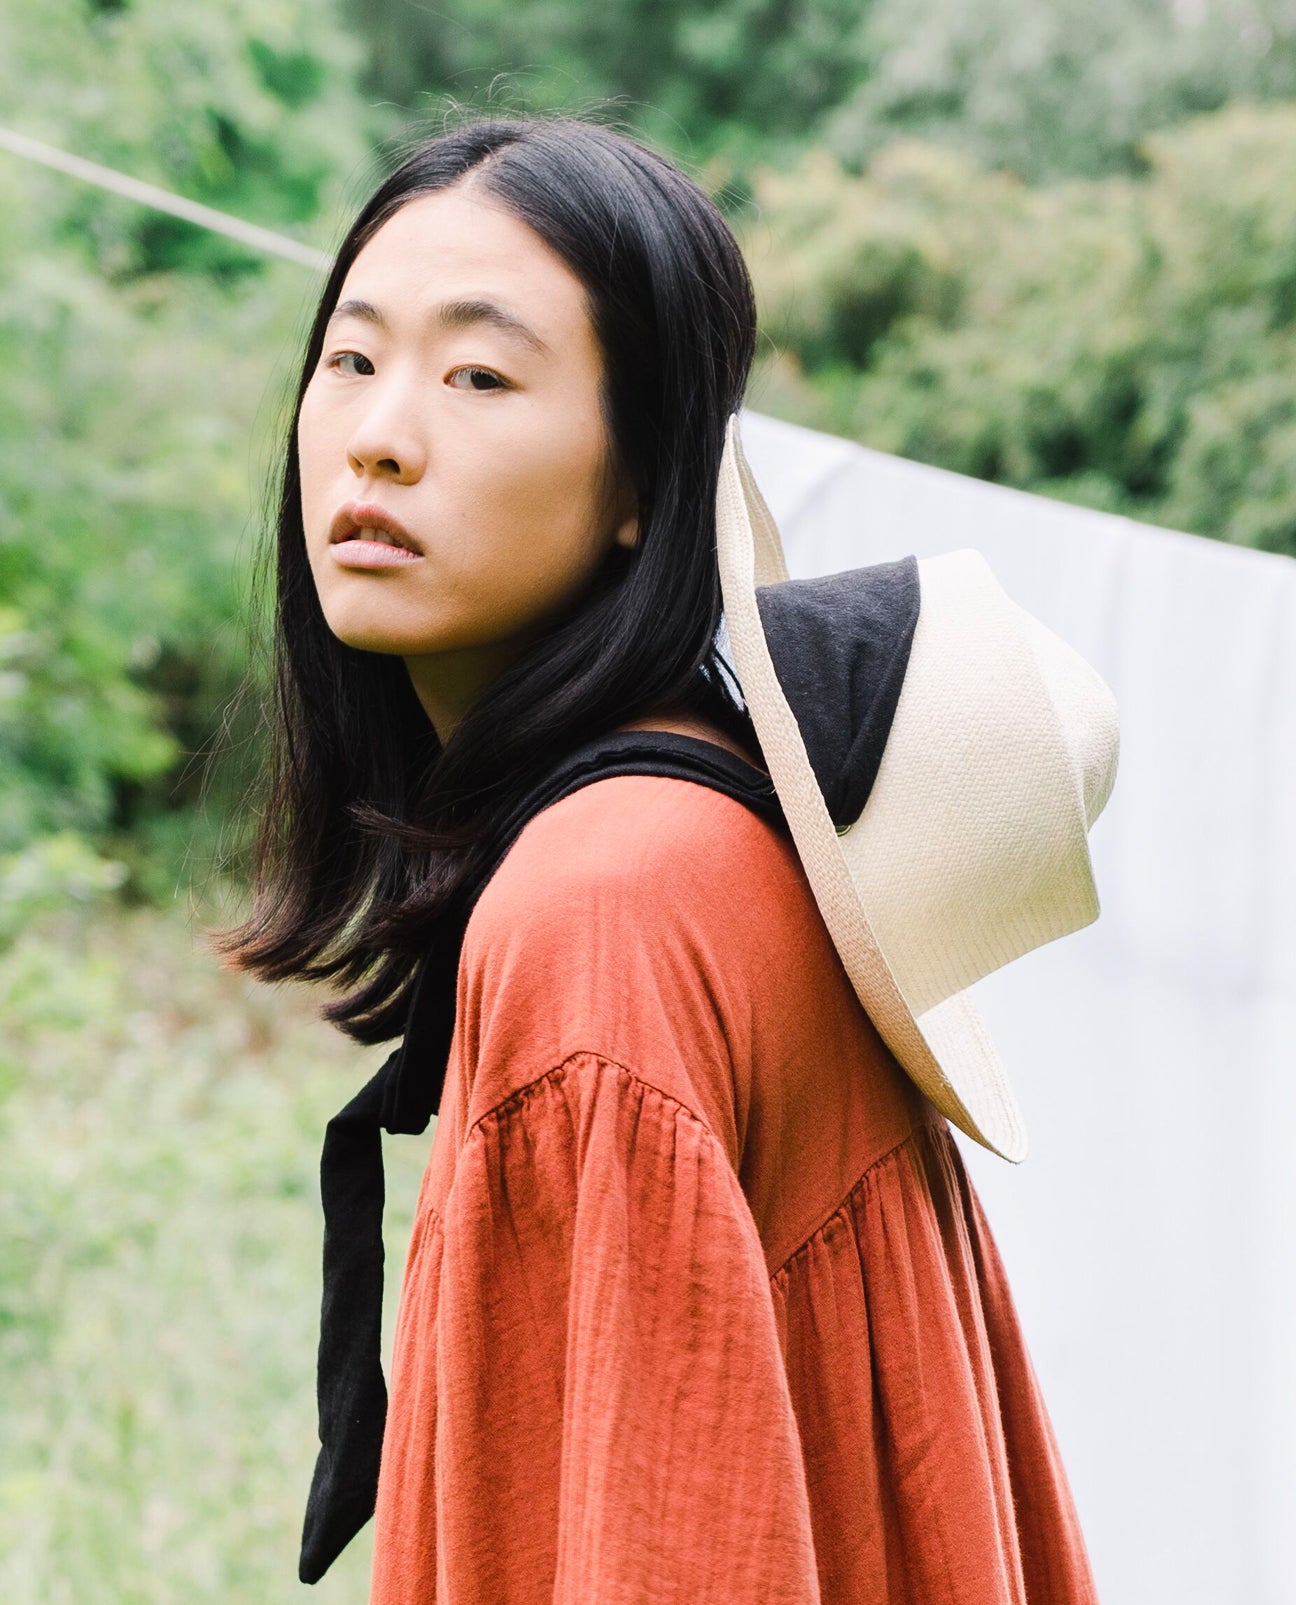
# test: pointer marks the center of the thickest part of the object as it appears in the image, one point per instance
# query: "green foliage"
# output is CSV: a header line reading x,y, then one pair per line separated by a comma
x,y
741,76
1124,342
135,424
49,874
245,105
160,1233
1066,88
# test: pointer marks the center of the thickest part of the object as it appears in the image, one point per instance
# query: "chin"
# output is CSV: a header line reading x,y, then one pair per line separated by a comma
x,y
371,641
371,629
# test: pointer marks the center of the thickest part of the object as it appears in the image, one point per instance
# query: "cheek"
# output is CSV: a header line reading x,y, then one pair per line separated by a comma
x,y
515,577
536,533
313,445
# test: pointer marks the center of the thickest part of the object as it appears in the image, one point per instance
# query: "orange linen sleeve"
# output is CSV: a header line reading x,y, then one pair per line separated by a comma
x,y
617,1384
613,1421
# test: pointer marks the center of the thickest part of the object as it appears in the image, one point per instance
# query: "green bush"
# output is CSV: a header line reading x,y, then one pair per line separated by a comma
x,y
1124,342
143,360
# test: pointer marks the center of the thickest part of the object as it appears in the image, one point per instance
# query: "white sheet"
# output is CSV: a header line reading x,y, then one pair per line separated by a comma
x,y
1150,1233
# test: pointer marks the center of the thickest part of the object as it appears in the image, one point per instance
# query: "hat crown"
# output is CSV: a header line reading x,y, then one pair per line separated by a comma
x,y
1086,708
840,645
972,848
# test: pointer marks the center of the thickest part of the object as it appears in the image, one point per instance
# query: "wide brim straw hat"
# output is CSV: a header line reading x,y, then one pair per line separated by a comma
x,y
940,756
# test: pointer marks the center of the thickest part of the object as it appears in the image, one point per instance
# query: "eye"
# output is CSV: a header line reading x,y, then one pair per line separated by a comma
x,y
499,384
332,362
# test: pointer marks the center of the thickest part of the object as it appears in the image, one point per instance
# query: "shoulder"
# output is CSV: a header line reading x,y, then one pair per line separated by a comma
x,y
641,846
637,918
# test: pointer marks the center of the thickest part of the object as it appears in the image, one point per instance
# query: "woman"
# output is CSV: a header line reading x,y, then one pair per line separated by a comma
x,y
699,1303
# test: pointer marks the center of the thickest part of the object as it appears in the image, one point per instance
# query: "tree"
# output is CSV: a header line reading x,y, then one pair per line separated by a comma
x,y
1125,342
139,352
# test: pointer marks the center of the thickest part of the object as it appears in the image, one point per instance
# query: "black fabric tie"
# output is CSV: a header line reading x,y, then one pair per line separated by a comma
x,y
402,1096
351,1389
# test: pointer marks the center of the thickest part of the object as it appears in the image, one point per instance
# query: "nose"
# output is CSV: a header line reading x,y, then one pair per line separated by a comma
x,y
385,442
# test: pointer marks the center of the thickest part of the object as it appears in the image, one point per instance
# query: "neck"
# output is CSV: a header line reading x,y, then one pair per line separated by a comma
x,y
448,683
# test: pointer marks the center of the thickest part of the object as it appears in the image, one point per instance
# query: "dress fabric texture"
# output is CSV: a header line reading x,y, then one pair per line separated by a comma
x,y
700,1304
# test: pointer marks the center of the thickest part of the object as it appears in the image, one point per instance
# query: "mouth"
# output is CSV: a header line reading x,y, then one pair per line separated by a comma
x,y
366,521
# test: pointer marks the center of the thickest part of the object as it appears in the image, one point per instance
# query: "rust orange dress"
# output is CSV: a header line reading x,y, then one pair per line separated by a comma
x,y
700,1305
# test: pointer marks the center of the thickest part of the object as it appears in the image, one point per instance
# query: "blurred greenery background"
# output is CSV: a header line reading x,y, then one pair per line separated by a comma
x,y
1050,244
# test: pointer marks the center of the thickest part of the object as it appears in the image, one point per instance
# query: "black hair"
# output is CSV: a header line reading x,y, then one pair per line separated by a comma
x,y
367,826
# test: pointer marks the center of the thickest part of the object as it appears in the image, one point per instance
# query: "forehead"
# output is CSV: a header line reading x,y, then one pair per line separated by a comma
x,y
452,245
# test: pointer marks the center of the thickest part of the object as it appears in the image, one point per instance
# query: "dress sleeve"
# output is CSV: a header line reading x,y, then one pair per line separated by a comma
x,y
613,1421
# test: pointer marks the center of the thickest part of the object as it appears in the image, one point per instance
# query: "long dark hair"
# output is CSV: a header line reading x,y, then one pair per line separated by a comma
x,y
368,827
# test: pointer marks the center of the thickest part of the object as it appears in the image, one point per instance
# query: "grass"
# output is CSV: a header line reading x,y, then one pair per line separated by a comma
x,y
160,1230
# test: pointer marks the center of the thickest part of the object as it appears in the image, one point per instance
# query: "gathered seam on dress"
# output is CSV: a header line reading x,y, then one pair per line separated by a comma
x,y
519,1095
918,1126
516,1097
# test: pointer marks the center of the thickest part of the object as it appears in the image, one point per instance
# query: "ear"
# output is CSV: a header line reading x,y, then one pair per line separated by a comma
x,y
627,533
625,506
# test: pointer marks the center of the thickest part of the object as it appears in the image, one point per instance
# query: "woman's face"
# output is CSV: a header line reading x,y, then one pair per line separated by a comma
x,y
483,438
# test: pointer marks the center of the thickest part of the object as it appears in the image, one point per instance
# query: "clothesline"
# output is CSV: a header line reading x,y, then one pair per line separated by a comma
x,y
252,235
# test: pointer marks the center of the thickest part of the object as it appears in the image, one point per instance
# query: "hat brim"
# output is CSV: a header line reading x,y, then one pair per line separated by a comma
x,y
946,1050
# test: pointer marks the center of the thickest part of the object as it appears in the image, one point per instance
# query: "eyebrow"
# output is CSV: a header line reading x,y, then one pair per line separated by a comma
x,y
458,314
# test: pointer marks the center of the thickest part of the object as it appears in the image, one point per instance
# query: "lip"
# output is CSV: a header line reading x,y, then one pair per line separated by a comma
x,y
371,554
354,516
